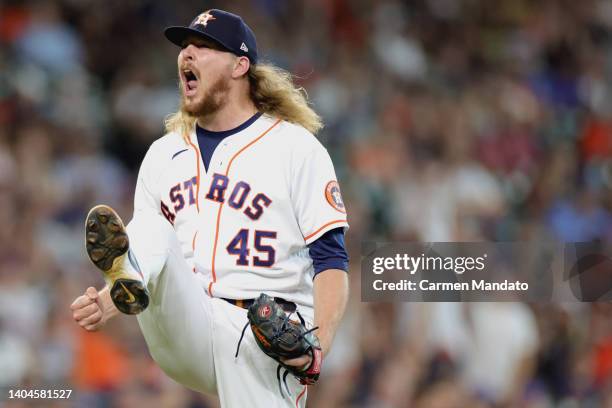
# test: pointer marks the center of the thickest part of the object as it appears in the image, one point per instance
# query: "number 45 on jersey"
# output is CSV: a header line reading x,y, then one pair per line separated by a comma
x,y
265,254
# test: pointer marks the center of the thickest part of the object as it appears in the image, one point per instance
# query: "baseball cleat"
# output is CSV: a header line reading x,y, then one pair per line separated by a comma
x,y
108,246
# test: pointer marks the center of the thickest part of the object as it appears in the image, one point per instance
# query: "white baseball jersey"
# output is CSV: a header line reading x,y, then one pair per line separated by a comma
x,y
244,224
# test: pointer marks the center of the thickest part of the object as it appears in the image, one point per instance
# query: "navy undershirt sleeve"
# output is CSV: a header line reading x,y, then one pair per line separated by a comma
x,y
329,252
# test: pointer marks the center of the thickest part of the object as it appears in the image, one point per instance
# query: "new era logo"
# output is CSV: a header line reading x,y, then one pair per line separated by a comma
x,y
244,48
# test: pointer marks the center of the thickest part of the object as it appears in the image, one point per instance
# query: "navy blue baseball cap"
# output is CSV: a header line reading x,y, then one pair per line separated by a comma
x,y
227,29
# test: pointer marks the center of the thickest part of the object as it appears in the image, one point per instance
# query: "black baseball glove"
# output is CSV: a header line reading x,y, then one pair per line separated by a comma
x,y
282,338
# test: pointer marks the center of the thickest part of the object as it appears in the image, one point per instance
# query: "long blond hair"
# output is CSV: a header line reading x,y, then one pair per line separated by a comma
x,y
273,92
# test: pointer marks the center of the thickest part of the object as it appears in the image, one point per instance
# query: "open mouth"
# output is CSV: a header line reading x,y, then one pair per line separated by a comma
x,y
190,80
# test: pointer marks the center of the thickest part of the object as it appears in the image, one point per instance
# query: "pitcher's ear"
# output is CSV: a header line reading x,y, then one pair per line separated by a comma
x,y
241,67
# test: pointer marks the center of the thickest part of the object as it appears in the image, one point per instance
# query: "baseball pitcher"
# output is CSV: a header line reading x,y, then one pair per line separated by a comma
x,y
238,222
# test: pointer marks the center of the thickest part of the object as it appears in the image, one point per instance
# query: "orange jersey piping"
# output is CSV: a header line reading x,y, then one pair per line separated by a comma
x,y
324,226
197,152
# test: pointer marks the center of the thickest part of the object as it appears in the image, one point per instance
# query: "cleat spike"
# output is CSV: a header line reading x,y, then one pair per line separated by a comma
x,y
120,242
97,254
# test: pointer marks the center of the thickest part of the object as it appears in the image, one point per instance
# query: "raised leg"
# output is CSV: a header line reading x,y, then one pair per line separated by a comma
x,y
148,276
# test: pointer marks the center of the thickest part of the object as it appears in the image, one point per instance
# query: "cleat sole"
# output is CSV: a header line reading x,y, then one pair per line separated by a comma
x,y
107,242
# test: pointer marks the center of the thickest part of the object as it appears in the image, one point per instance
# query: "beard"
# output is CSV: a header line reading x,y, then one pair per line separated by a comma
x,y
211,102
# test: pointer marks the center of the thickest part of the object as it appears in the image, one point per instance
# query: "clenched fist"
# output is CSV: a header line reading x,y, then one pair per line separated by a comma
x,y
92,309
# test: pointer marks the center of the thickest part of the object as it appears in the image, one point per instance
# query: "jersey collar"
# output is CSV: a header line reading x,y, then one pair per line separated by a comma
x,y
225,133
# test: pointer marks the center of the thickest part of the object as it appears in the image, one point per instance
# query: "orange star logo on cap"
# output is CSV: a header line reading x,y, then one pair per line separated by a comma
x,y
204,18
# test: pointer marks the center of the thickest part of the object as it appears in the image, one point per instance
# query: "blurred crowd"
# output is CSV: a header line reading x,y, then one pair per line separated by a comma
x,y
448,120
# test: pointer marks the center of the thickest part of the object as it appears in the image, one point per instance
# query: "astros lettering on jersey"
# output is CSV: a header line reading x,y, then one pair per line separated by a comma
x,y
245,223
